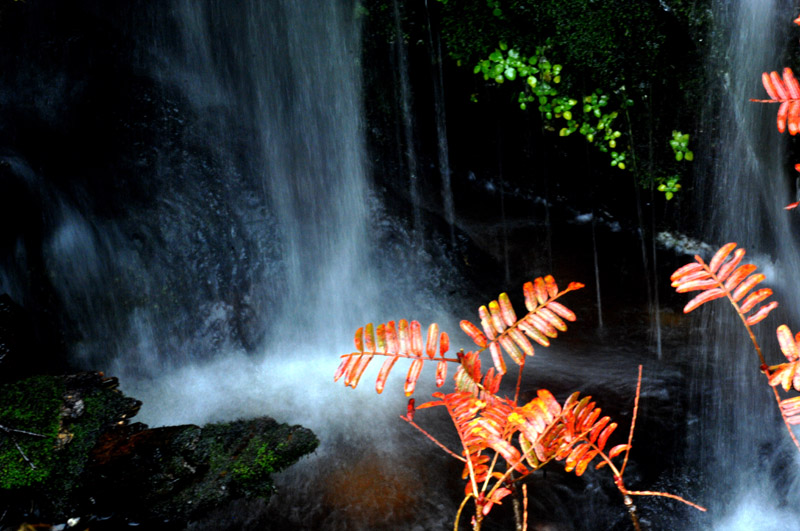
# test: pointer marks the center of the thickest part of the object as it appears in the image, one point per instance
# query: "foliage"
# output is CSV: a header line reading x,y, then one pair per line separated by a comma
x,y
592,120
502,441
786,91
595,114
722,277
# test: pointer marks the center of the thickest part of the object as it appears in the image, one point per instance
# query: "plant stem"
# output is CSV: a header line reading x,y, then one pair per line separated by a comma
x,y
633,421
432,438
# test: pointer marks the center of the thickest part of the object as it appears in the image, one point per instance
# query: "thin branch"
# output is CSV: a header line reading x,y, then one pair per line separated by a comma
x,y
24,432
9,433
524,507
461,508
665,495
633,421
519,382
432,438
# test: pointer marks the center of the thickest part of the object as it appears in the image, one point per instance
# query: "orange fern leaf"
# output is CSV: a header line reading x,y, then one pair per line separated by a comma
x,y
724,277
574,433
394,341
790,409
787,375
502,331
785,91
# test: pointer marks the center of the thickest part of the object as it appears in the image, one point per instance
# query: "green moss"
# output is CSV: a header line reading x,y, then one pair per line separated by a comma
x,y
31,405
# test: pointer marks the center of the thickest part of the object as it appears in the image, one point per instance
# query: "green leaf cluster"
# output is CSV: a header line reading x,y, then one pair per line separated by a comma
x,y
680,146
669,185
593,120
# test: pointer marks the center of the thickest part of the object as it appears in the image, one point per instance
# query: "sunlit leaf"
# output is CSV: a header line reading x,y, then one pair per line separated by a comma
x,y
720,255
708,295
359,339
386,368
754,298
521,341
403,339
486,322
533,333
739,275
604,435
506,310
392,344
474,333
552,318
530,296
413,376
540,290
686,270
441,373
497,358
369,338
561,310
747,285
787,342
696,285
729,266
342,368
359,369
380,333
416,338
512,349
618,449
761,313
497,319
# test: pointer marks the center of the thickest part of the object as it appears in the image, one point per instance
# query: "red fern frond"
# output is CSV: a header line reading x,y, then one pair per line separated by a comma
x,y
785,91
574,433
394,341
502,331
721,277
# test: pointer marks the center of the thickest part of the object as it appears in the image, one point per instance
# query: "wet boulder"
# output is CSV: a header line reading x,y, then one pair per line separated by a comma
x,y
68,450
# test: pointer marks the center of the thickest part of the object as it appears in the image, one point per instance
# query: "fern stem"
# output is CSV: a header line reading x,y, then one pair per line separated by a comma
x,y
519,382
432,438
744,321
665,495
633,421
524,507
461,508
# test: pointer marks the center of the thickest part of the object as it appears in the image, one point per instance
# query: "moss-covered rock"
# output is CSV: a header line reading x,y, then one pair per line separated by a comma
x,y
75,454
178,472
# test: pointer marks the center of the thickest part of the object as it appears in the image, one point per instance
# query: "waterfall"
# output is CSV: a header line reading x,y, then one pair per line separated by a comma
x,y
435,51
406,111
741,441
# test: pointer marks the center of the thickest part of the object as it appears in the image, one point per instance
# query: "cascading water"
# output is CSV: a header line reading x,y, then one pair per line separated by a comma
x,y
280,83
406,112
435,51
740,440
253,212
